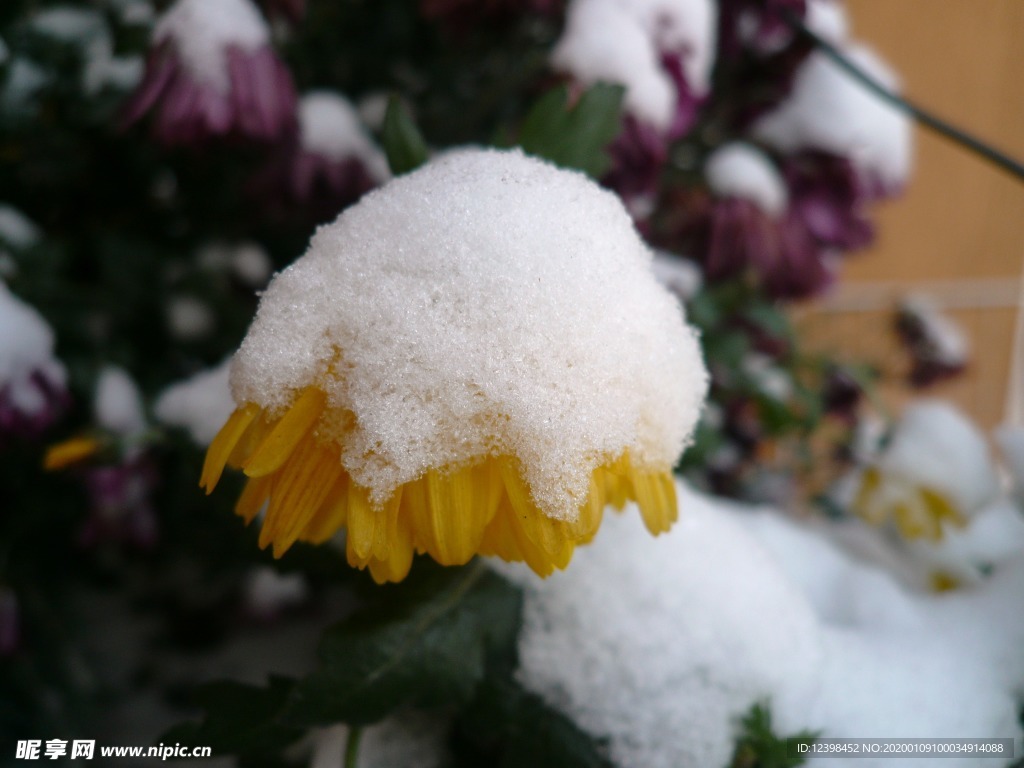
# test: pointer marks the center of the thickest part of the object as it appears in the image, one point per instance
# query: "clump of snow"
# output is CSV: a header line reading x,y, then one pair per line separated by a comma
x,y
463,310
16,229
202,31
251,264
940,340
267,592
189,318
736,605
740,170
200,404
828,20
330,126
117,404
69,24
700,625
1010,440
830,111
87,28
681,276
622,42
768,376
994,535
936,447
26,347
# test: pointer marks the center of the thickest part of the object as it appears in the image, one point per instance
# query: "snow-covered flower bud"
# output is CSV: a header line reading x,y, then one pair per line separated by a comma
x,y
829,111
33,383
475,358
662,52
938,347
212,72
936,470
750,227
332,162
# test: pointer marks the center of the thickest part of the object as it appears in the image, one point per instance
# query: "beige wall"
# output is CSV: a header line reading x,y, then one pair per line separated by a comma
x,y
959,230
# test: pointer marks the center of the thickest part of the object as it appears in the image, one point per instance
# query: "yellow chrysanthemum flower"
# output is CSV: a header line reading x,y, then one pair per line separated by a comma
x,y
475,359
935,472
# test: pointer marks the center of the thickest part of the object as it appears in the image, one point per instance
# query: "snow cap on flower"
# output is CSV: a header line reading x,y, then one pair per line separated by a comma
x,y
741,170
938,347
486,327
936,468
32,381
199,404
829,111
627,42
212,72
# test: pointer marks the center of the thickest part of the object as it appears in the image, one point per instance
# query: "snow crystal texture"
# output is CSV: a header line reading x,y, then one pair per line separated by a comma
x,y
202,31
486,304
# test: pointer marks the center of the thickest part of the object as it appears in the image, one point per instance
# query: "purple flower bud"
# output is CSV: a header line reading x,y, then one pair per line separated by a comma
x,y
212,73
33,391
937,346
330,164
121,506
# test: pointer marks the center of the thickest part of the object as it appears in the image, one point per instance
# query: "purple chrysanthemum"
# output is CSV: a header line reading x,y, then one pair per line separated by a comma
x,y
33,390
212,72
661,51
937,346
121,509
331,162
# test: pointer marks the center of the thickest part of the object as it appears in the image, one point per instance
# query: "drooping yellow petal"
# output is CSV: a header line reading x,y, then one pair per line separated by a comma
x,y
224,443
70,452
254,496
332,514
450,514
287,434
362,523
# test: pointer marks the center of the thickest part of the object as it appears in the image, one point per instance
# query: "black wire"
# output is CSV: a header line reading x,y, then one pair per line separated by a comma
x,y
1001,160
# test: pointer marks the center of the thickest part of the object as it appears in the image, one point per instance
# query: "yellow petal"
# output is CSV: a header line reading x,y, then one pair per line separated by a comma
x,y
70,452
286,434
224,443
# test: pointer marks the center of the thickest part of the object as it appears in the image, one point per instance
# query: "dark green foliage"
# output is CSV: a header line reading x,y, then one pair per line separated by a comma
x,y
240,719
577,135
507,727
760,747
403,144
425,642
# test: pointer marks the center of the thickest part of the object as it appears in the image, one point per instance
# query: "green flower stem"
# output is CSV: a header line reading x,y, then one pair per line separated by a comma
x,y
352,747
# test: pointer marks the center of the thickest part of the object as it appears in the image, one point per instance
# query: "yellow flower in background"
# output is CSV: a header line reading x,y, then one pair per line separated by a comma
x,y
936,472
475,359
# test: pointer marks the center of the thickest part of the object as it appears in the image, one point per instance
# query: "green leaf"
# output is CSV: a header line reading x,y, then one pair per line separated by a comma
x,y
240,719
759,747
425,642
575,136
402,140
507,727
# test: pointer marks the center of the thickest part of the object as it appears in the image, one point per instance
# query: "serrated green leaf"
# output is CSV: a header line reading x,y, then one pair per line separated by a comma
x,y
576,136
403,143
759,746
240,719
508,727
425,642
